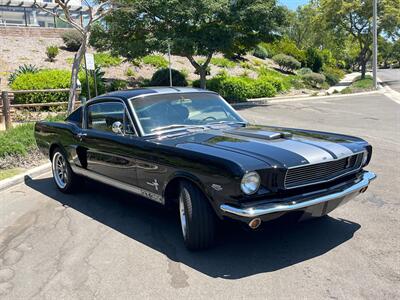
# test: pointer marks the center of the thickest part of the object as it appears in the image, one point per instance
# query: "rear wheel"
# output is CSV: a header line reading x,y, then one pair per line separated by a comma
x,y
198,221
63,176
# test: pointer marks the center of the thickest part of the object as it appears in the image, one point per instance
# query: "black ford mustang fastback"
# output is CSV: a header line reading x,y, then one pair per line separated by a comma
x,y
188,148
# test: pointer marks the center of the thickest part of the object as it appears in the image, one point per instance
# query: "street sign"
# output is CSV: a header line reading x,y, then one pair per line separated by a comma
x,y
89,61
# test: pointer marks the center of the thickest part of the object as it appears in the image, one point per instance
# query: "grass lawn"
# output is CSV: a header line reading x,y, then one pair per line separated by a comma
x,y
366,83
18,140
10,172
359,85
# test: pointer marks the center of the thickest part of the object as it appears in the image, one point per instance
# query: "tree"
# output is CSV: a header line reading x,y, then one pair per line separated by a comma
x,y
396,51
95,12
385,51
306,30
355,18
314,59
191,27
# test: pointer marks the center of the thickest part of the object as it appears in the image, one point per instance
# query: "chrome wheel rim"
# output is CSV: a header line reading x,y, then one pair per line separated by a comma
x,y
182,215
60,170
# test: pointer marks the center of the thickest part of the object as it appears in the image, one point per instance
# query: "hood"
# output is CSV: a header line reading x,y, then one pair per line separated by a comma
x,y
281,147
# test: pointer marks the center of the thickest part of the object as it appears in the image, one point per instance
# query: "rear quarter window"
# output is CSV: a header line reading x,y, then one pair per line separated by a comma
x,y
76,117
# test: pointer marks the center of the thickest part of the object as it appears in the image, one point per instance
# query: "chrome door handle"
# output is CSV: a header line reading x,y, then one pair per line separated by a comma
x,y
81,135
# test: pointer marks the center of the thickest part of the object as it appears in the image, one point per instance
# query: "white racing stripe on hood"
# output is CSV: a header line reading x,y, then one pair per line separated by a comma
x,y
311,153
337,149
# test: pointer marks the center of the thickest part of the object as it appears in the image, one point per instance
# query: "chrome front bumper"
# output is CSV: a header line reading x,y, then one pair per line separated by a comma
x,y
359,185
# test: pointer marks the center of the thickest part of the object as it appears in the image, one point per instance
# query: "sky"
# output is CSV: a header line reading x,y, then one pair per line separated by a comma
x,y
292,4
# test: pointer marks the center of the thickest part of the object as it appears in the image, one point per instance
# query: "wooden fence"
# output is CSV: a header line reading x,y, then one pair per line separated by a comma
x,y
7,106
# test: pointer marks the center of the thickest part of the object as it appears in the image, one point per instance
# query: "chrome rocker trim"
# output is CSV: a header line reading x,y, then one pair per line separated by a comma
x,y
270,208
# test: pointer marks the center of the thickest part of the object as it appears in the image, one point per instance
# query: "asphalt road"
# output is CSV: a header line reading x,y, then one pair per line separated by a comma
x,y
390,77
106,244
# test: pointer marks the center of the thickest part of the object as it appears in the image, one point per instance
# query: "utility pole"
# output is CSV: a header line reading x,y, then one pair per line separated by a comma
x,y
169,65
375,44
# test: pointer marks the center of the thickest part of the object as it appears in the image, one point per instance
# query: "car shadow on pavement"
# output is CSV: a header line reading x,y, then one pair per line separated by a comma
x,y
238,252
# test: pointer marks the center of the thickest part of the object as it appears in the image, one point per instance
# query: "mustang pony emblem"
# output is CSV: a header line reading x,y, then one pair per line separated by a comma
x,y
154,184
216,187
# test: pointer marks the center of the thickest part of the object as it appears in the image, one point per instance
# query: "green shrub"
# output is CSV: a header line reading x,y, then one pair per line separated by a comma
x,y
304,71
269,48
239,89
314,79
285,46
18,140
314,59
24,69
222,62
117,85
296,82
130,73
278,83
278,80
286,62
258,62
333,75
327,57
105,59
157,61
72,40
52,52
260,52
289,47
246,65
44,79
53,79
161,78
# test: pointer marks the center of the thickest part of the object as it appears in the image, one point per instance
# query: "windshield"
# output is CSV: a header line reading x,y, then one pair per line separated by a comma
x,y
175,111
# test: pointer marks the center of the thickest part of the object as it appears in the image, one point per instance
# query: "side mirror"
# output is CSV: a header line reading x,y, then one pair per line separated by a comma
x,y
117,127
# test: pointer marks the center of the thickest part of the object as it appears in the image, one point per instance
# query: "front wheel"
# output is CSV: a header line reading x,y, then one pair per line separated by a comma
x,y
63,176
198,221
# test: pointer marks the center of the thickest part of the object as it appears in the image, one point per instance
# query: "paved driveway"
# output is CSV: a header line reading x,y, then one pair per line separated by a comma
x,y
106,244
390,77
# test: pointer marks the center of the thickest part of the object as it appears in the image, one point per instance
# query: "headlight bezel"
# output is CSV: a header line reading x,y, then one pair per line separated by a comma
x,y
247,180
364,158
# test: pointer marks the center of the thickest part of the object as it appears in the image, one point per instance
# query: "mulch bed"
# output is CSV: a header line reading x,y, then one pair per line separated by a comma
x,y
33,159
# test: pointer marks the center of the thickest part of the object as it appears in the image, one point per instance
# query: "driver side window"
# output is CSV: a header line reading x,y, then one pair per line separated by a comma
x,y
101,116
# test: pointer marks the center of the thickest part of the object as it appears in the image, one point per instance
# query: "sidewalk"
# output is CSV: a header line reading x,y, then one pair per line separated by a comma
x,y
345,82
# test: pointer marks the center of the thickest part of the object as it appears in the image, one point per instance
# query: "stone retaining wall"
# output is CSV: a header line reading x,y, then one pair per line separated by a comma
x,y
32,32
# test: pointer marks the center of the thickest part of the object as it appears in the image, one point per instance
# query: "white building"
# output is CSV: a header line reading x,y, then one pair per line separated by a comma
x,y
25,14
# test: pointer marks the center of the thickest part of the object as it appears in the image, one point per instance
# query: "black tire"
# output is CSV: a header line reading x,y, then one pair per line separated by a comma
x,y
199,218
67,182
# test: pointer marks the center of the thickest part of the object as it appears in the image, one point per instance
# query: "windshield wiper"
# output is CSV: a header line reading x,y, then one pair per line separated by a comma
x,y
226,122
176,126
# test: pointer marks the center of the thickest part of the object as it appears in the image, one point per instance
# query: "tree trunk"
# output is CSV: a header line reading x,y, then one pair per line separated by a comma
x,y
363,69
75,72
203,75
201,69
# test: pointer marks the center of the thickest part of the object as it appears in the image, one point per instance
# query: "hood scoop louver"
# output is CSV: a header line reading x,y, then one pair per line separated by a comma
x,y
260,134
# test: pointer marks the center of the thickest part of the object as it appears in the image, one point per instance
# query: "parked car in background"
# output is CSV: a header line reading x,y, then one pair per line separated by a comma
x,y
189,149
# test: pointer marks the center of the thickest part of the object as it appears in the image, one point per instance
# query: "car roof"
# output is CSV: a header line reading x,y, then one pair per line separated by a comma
x,y
128,94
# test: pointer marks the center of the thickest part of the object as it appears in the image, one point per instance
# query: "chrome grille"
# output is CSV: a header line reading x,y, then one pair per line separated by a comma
x,y
321,172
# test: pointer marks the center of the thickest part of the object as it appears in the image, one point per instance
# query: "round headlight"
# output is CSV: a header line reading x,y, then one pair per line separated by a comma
x,y
364,158
250,183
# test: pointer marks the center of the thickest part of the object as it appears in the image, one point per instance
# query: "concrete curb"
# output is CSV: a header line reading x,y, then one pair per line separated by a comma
x,y
34,172
330,97
268,101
